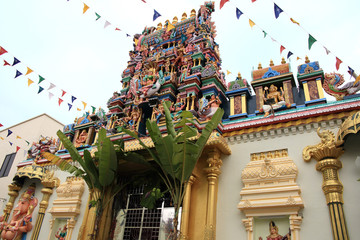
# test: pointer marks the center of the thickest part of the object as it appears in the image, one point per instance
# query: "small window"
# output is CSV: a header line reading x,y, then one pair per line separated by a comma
x,y
6,166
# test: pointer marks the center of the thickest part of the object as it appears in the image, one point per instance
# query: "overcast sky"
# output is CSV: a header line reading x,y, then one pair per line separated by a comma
x,y
74,52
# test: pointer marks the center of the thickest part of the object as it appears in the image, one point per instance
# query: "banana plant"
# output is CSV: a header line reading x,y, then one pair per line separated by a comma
x,y
176,154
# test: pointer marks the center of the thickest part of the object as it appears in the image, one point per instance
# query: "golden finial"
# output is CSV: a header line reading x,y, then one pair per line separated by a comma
x,y
75,120
259,67
184,17
307,59
175,20
239,75
159,26
283,61
271,63
193,13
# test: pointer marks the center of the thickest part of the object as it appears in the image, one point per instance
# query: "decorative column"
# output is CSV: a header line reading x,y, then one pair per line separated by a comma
x,y
70,228
327,153
49,183
212,171
295,222
13,193
185,213
249,223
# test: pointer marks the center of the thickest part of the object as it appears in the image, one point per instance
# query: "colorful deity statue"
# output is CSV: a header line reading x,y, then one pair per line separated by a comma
x,y
207,108
273,99
274,233
45,144
177,107
21,218
61,234
158,113
133,120
80,141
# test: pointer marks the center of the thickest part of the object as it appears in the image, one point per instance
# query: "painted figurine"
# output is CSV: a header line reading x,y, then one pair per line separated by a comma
x,y
273,100
209,107
159,112
274,233
21,218
61,234
177,108
81,139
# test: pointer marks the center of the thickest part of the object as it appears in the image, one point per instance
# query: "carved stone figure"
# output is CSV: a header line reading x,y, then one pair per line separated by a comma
x,y
208,108
273,99
81,139
20,221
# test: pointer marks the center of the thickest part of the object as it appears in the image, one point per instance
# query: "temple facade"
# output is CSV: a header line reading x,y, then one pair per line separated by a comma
x,y
282,164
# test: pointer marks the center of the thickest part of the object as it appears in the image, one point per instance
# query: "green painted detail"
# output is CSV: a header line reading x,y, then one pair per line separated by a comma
x,y
198,55
304,76
215,81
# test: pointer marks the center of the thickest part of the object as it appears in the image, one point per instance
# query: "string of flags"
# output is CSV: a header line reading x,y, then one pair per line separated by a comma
x,y
311,39
30,75
12,142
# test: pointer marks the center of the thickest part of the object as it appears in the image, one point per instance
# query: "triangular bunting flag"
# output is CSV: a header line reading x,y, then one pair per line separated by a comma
x,y
63,93
27,142
227,72
2,51
30,82
51,86
253,0
70,106
9,132
281,48
238,13
251,23
327,51
297,58
338,62
17,148
128,35
277,10
97,16
143,1
117,29
41,79
73,99
1,125
18,137
28,71
291,19
84,103
93,109
351,71
6,63
311,41
78,109
289,54
40,89
169,27
18,73
156,15
1,138
16,61
50,95
86,7
106,24
264,34
60,101
222,3
10,143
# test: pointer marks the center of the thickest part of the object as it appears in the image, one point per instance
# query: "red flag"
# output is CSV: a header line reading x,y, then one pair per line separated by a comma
x,y
282,48
60,101
222,2
2,51
253,0
63,93
338,62
117,29
17,148
1,125
6,63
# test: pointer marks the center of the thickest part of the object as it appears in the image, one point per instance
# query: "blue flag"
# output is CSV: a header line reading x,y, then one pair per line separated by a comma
x,y
9,132
277,10
10,143
40,89
73,99
70,106
351,71
289,54
156,15
128,35
238,13
16,61
17,74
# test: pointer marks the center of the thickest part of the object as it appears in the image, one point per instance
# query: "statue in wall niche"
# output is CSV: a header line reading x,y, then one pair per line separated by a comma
x,y
274,233
61,234
80,141
209,107
21,218
177,107
273,99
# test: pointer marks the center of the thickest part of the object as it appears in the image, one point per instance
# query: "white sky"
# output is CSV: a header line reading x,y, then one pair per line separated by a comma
x,y
76,53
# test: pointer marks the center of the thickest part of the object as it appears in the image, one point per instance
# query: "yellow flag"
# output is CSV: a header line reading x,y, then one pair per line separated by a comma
x,y
18,137
294,21
86,7
169,27
251,23
84,104
227,72
2,138
28,71
298,58
30,82
357,80
78,109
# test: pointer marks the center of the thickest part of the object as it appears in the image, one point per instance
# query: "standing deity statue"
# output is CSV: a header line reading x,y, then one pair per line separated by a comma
x,y
274,233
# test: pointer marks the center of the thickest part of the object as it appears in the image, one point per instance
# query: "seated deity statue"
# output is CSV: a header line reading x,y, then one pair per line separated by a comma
x,y
273,100
61,234
81,139
20,221
274,233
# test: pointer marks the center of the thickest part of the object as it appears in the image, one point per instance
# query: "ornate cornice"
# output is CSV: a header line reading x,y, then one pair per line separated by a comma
x,y
351,125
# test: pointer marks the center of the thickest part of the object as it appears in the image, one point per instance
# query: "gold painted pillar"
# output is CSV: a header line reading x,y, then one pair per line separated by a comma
x,y
185,213
327,153
193,102
46,191
13,193
213,172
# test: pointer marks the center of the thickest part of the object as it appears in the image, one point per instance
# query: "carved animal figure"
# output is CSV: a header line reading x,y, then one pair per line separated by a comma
x,y
155,88
333,86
